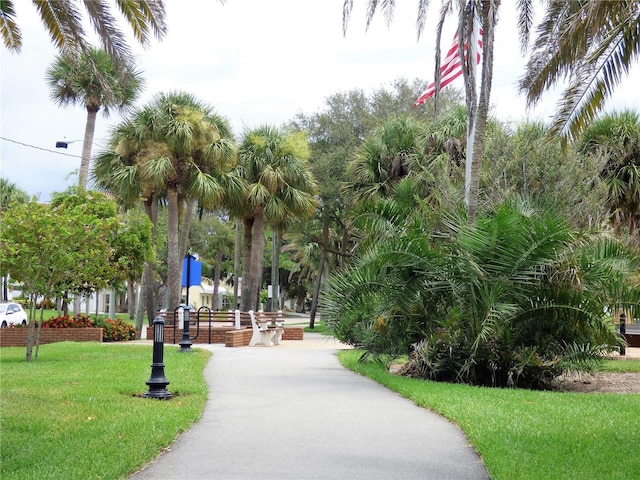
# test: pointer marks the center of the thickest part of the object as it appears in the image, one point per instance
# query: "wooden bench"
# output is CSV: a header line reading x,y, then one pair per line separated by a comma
x,y
233,328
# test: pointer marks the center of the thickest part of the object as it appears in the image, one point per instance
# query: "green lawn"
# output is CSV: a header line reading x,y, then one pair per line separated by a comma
x,y
535,435
78,412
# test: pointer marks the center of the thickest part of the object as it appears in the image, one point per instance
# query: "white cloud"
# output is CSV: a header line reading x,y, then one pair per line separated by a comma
x,y
254,61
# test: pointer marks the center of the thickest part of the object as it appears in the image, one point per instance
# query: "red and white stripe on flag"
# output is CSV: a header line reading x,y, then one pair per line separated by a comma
x,y
450,69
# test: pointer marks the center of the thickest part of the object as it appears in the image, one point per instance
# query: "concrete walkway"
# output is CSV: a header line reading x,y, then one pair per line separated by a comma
x,y
293,412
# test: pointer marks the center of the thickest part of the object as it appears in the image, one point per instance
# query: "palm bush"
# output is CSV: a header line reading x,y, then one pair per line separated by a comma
x,y
514,299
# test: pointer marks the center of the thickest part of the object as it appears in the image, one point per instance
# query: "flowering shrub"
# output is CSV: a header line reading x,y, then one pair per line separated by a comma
x,y
116,330
113,330
66,321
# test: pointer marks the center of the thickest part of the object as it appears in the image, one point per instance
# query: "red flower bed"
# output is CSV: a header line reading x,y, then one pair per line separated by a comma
x,y
66,321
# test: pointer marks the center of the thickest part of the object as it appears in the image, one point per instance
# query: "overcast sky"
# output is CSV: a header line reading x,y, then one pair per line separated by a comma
x,y
255,62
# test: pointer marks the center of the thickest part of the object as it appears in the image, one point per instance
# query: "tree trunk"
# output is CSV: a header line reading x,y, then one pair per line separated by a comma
x,y
245,301
321,267
32,328
186,223
257,258
132,299
489,10
85,159
236,263
151,209
174,269
142,300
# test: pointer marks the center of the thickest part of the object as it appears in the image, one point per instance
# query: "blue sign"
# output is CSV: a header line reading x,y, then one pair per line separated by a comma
x,y
191,271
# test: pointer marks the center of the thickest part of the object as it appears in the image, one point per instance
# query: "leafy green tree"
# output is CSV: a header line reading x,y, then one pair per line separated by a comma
x,y
64,23
9,194
133,248
528,162
592,44
616,139
59,249
279,187
94,80
336,132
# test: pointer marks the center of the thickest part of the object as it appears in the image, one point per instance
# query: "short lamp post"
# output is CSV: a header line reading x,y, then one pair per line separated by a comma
x,y
185,344
623,331
157,381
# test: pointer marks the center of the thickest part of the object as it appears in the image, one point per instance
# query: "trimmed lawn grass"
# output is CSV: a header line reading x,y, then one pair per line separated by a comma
x,y
523,434
318,327
78,412
621,366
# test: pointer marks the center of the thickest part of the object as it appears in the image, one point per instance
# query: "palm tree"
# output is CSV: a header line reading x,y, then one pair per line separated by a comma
x,y
184,149
64,23
616,137
117,170
486,12
592,44
10,193
387,156
74,80
279,187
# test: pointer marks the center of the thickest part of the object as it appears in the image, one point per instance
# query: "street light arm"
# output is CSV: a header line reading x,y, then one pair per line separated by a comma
x,y
64,143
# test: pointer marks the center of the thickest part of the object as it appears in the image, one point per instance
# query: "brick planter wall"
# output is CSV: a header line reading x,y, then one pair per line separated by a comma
x,y
293,333
227,335
17,337
217,334
238,338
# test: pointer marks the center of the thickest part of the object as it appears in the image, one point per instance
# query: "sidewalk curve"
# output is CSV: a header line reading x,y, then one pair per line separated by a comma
x,y
293,412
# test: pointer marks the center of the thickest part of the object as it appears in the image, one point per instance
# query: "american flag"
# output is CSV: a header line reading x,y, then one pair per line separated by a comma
x,y
450,69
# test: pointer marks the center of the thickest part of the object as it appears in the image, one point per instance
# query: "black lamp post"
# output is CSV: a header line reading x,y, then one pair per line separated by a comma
x,y
157,381
185,344
623,331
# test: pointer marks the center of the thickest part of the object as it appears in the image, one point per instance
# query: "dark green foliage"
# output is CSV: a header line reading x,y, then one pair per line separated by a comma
x,y
514,299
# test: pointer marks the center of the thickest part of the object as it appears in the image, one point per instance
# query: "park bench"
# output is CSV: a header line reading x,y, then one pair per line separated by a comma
x,y
267,328
275,322
233,328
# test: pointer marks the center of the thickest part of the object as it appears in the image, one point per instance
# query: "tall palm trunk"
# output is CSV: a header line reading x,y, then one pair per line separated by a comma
x,y
251,285
151,209
85,160
132,289
186,224
489,11
323,261
247,282
174,269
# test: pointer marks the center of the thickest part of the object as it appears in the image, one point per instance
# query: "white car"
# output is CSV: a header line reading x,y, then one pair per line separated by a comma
x,y
12,313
